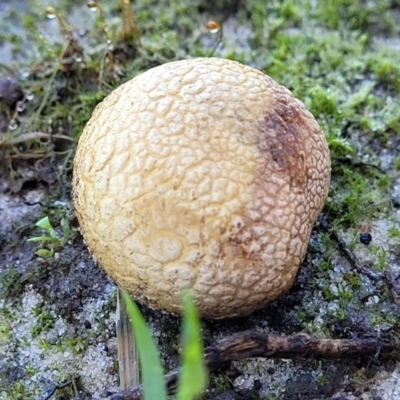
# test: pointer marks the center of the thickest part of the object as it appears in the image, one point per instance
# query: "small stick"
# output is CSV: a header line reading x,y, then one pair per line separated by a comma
x,y
127,353
393,286
249,344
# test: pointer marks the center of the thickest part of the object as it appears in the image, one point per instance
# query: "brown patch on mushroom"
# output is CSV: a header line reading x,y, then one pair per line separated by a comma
x,y
282,136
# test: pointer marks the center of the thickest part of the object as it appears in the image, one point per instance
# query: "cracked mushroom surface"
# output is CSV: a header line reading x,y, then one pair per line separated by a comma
x,y
201,174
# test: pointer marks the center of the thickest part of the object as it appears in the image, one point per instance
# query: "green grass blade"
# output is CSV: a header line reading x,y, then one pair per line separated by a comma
x,y
151,369
43,239
193,377
45,224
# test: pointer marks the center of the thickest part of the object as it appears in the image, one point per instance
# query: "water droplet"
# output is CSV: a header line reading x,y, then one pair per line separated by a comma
x,y
51,12
92,5
29,96
110,45
213,26
12,126
78,59
24,73
82,32
20,106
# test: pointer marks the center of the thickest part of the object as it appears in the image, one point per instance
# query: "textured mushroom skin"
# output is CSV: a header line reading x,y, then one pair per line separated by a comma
x,y
201,174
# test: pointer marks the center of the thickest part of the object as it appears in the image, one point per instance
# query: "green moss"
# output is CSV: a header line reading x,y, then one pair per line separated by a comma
x,y
5,331
16,391
354,280
322,380
12,282
356,14
30,370
383,321
394,232
382,257
396,163
355,197
77,344
386,70
45,320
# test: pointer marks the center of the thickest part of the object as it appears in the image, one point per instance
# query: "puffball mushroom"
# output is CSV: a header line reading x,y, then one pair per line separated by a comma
x,y
201,174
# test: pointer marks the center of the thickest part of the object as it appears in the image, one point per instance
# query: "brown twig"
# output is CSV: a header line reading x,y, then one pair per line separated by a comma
x,y
393,286
251,344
